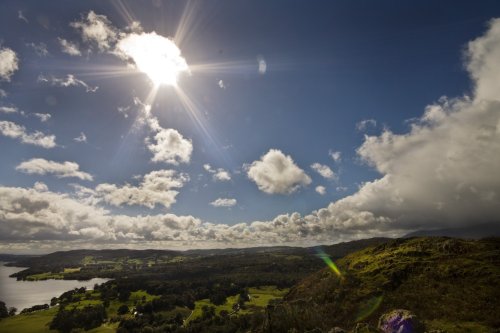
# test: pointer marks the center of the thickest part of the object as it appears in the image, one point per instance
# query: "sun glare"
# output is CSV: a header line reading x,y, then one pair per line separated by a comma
x,y
156,56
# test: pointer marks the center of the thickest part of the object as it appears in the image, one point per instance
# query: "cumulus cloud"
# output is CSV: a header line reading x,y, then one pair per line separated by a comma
x,y
323,170
9,63
37,138
320,189
40,187
217,174
365,124
9,109
3,93
40,166
156,188
69,81
97,30
277,173
69,47
335,155
224,202
171,147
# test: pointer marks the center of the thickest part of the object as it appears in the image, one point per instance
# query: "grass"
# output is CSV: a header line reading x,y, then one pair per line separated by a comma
x,y
259,298
36,322
51,275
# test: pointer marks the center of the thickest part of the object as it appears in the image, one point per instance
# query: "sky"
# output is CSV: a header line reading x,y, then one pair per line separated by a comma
x,y
202,124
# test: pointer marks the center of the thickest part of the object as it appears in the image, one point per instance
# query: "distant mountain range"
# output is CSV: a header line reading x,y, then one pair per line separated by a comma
x,y
477,231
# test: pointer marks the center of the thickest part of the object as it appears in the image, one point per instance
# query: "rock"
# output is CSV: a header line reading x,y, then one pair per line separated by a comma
x,y
400,321
337,330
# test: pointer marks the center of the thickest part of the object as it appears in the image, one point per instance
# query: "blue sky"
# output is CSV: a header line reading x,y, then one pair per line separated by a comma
x,y
330,74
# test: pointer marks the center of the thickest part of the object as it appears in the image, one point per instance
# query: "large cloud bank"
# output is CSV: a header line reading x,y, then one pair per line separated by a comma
x,y
442,173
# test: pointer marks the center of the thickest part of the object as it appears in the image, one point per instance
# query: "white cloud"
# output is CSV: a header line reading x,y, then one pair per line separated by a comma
x,y
276,173
217,174
40,49
40,166
43,116
170,147
157,187
224,202
40,187
15,131
221,84
81,138
441,173
262,65
222,175
320,189
323,170
335,155
21,16
366,123
69,81
3,93
69,47
9,109
96,29
9,63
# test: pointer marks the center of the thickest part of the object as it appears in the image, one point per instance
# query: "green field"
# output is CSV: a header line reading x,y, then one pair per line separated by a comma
x,y
259,298
37,322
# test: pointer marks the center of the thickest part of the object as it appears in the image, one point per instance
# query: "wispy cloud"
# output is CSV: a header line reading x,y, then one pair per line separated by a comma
x,y
69,47
324,171
42,166
9,109
81,138
218,174
44,117
21,16
69,81
40,49
365,124
37,138
97,30
224,202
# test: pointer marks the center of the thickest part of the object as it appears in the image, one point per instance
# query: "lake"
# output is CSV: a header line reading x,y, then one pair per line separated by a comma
x,y
25,294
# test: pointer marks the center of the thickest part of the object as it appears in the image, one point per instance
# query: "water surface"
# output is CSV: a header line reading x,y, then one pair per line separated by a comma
x,y
24,294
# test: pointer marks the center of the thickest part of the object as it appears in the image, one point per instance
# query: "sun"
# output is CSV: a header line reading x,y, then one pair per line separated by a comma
x,y
156,56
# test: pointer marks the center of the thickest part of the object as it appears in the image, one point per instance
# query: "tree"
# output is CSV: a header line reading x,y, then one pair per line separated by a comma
x,y
54,301
12,311
123,309
3,310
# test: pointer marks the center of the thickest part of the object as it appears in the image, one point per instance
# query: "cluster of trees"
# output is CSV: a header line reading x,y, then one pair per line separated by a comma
x,y
86,318
6,312
35,308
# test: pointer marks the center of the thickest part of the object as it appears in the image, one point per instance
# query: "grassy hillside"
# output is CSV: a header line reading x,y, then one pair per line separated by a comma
x,y
450,284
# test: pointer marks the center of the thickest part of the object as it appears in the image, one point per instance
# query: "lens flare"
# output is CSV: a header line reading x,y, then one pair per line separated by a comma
x,y
328,261
368,308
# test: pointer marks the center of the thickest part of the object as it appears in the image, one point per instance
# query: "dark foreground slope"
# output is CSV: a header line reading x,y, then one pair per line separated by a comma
x,y
450,284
